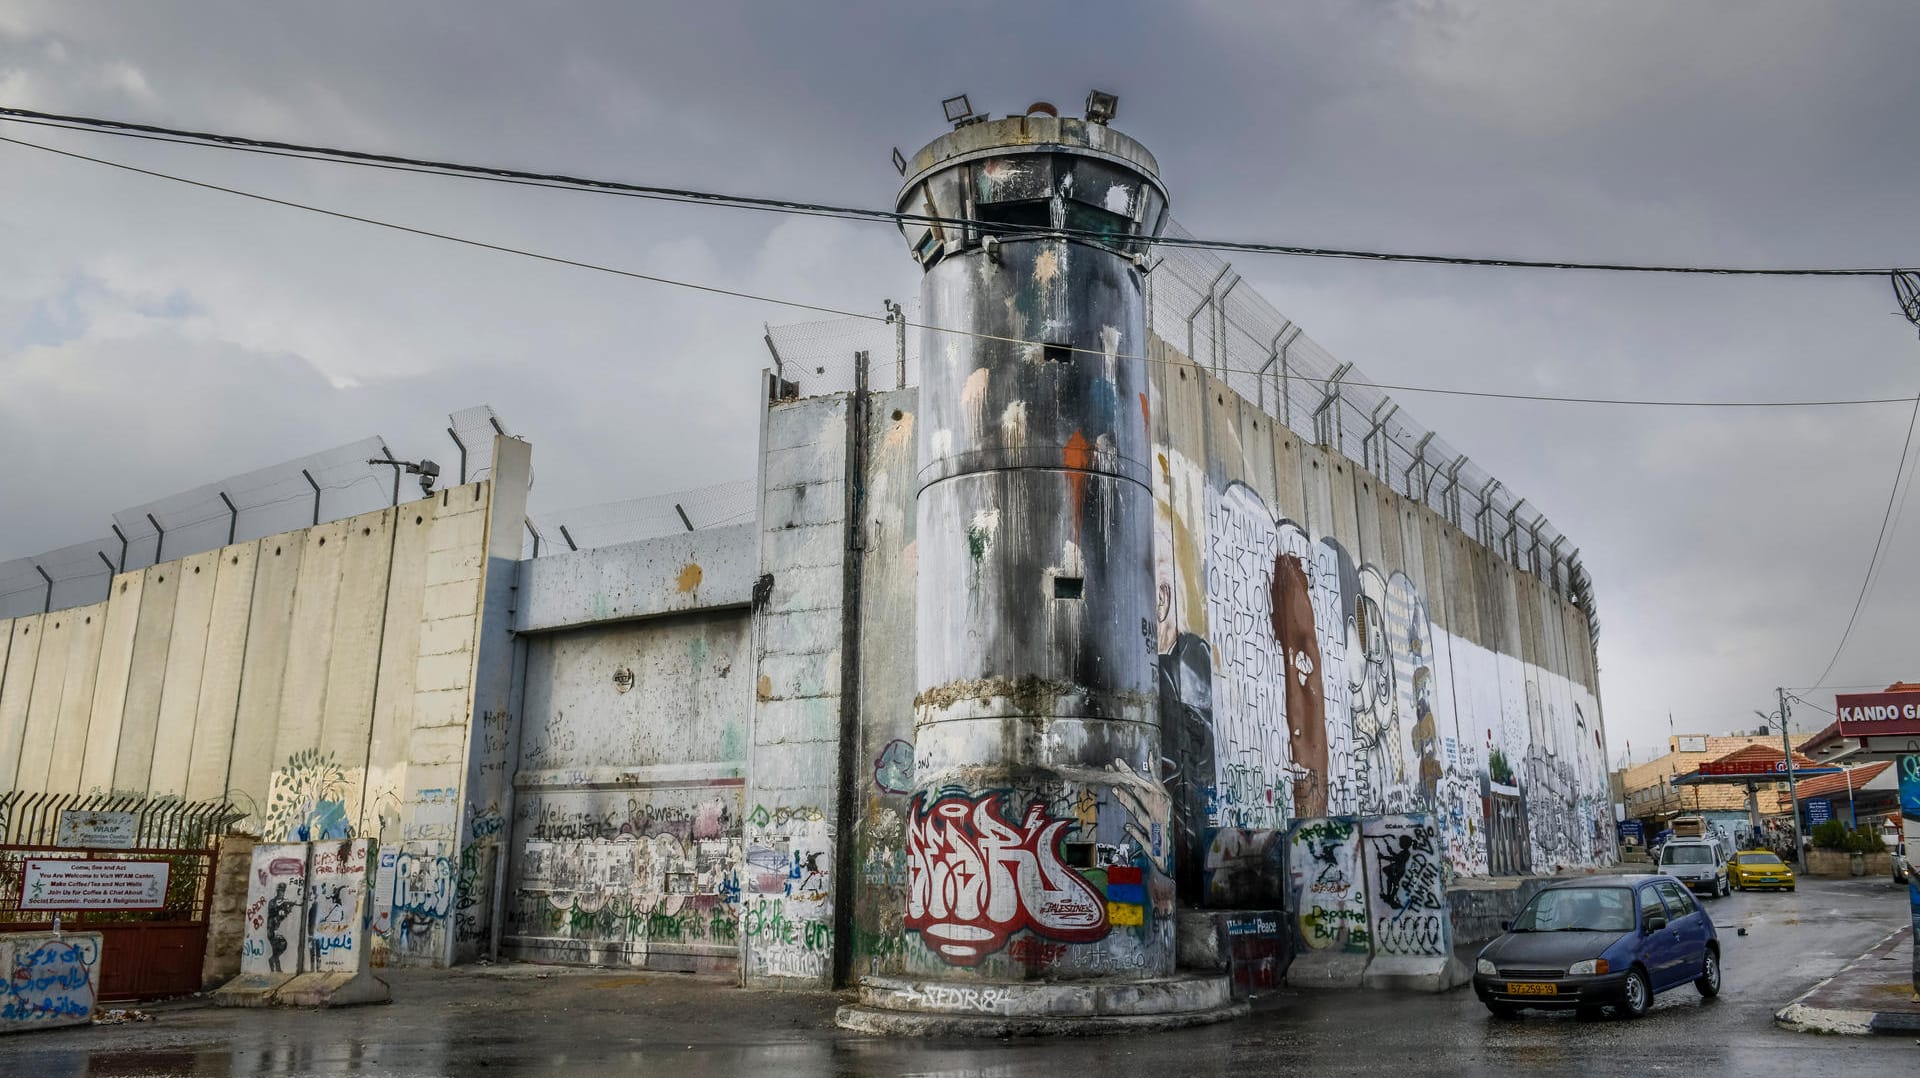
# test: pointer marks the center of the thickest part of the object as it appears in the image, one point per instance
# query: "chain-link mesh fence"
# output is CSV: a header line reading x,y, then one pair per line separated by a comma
x,y
328,485
812,358
1200,305
588,526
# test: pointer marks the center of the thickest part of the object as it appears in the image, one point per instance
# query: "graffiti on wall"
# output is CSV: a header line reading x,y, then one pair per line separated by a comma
x,y
1245,869
308,801
1328,894
787,905
1406,892
1322,687
893,768
976,877
276,909
336,905
49,981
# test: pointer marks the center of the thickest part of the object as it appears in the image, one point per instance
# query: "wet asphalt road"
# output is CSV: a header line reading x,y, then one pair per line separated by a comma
x,y
522,1020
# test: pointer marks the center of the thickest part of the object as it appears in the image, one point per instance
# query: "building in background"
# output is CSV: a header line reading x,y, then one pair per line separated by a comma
x,y
1654,798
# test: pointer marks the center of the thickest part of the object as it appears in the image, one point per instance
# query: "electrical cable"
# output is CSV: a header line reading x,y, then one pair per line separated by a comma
x,y
865,316
1879,543
781,205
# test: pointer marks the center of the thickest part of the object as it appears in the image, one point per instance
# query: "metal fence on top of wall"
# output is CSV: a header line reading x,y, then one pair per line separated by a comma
x,y
319,487
587,526
1201,306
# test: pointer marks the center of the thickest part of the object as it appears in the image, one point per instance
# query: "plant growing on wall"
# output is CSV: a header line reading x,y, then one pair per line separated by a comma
x,y
1498,769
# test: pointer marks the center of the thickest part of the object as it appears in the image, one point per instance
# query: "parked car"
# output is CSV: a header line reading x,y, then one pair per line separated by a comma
x,y
1593,944
1751,870
1699,863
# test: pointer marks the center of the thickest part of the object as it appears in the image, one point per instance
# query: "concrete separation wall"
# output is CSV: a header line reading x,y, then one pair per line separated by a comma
x,y
345,680
702,570
793,776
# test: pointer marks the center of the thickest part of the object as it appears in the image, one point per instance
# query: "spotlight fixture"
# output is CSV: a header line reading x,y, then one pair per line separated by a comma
x,y
1101,106
957,107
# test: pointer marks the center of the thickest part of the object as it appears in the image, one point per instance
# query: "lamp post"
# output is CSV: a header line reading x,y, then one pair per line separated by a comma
x,y
1793,790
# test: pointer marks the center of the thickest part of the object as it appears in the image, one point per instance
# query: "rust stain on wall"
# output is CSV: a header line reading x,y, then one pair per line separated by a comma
x,y
689,578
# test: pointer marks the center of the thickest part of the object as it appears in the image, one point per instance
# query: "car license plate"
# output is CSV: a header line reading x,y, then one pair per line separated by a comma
x,y
1531,988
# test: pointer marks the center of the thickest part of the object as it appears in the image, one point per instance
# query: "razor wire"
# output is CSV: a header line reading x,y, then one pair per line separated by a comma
x,y
329,485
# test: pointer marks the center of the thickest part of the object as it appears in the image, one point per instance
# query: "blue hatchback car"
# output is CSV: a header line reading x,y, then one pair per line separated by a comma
x,y
1600,941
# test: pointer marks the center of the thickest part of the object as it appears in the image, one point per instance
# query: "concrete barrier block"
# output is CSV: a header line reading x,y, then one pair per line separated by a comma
x,y
52,979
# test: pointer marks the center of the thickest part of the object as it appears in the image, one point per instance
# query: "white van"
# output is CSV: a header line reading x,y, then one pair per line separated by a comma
x,y
1700,863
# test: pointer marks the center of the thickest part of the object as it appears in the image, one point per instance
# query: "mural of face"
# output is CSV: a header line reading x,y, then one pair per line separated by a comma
x,y
1293,627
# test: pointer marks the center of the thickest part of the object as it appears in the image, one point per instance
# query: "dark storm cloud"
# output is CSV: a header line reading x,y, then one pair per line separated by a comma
x,y
152,338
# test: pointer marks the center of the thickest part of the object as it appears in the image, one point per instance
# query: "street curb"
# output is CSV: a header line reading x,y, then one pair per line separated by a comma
x,y
1802,1018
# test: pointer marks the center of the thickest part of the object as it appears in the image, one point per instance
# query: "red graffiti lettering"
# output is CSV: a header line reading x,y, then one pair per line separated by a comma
x,y
975,878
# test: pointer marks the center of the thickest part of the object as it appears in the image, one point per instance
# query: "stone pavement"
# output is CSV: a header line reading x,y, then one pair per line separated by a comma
x,y
1873,994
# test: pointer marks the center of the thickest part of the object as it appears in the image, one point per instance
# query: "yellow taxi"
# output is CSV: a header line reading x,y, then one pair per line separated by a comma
x,y
1751,870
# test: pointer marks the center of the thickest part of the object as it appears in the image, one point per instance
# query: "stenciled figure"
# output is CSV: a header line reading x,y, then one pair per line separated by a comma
x,y
278,910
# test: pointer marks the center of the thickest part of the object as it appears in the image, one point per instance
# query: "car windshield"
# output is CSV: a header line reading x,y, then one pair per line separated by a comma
x,y
1759,859
1578,909
1686,855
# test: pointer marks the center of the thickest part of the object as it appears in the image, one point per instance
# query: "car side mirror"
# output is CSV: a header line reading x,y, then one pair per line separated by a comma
x,y
1654,922
1506,926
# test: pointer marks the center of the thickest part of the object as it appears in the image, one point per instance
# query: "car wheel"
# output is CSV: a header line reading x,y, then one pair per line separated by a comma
x,y
1726,887
1709,980
1503,1010
1635,995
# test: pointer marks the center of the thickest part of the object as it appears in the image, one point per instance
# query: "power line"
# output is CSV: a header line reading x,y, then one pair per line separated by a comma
x,y
781,205
844,313
1879,542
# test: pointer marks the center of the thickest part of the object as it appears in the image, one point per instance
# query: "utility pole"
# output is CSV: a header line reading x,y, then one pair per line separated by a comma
x,y
1793,789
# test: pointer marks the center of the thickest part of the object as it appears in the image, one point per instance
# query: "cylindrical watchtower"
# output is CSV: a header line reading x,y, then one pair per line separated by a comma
x,y
1040,844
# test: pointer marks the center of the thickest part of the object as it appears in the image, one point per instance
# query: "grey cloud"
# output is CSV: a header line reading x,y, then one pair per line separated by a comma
x,y
162,337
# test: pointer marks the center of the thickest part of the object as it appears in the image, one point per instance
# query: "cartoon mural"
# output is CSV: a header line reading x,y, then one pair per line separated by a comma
x,y
1308,686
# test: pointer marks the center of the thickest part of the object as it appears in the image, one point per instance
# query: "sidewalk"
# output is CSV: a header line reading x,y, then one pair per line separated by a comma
x,y
1873,994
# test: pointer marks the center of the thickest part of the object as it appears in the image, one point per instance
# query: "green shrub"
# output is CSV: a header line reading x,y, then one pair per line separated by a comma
x,y
1831,835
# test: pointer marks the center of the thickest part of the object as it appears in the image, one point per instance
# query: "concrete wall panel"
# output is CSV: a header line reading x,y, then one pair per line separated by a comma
x,y
354,657
701,570
316,596
43,706
1316,481
263,671
793,782
110,682
400,647
88,624
1291,498
228,624
146,679
186,658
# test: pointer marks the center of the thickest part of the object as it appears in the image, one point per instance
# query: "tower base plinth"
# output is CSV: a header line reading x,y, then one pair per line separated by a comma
x,y
903,1007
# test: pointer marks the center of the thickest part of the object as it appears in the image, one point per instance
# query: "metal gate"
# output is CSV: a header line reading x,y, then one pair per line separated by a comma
x,y
1506,821
146,954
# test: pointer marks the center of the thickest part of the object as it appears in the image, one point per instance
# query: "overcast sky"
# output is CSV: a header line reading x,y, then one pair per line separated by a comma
x,y
155,337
